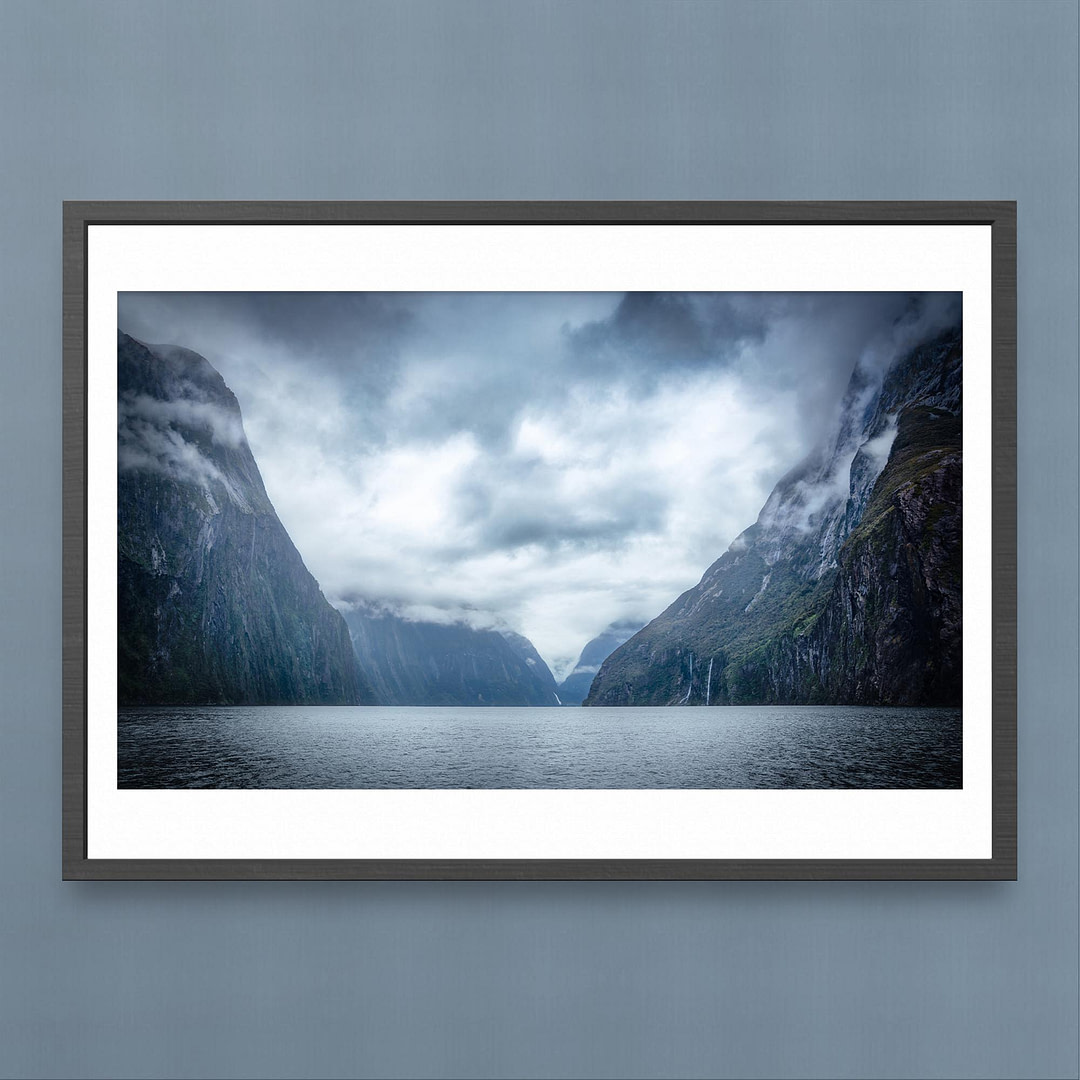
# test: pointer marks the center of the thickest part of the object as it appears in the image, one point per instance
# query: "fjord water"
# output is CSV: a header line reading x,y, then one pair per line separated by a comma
x,y
407,747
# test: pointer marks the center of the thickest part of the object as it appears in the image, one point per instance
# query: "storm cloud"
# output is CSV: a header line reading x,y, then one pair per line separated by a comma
x,y
548,463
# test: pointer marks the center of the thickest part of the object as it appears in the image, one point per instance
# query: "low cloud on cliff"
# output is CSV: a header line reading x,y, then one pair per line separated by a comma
x,y
550,463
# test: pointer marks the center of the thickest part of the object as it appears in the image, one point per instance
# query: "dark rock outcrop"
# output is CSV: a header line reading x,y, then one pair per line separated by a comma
x,y
215,603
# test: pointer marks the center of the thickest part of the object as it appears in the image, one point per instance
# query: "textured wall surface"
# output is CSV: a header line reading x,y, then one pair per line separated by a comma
x,y
542,101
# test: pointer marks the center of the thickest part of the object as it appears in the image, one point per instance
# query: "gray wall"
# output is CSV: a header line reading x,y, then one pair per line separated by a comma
x,y
539,101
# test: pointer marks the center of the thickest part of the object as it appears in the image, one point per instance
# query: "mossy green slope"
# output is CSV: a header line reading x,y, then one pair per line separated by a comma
x,y
855,602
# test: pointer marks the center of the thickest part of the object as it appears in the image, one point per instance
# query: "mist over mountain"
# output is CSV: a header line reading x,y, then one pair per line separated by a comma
x,y
575,687
671,424
215,605
552,462
429,663
847,588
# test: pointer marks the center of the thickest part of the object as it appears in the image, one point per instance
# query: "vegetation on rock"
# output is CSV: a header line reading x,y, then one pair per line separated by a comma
x,y
847,589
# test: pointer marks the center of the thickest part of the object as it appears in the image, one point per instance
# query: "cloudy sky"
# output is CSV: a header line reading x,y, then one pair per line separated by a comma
x,y
548,463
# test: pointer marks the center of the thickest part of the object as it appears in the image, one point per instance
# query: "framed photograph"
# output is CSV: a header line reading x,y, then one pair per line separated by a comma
x,y
539,540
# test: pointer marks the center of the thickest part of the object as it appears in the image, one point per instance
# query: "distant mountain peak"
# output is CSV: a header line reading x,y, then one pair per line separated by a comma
x,y
417,662
575,687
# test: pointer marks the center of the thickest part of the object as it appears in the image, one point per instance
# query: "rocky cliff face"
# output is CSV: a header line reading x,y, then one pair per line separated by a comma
x,y
425,663
215,603
847,588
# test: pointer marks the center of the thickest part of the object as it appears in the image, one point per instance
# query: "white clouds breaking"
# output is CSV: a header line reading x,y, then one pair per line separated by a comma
x,y
543,463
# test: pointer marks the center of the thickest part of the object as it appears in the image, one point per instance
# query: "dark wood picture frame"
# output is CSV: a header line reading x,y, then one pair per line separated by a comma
x,y
1000,216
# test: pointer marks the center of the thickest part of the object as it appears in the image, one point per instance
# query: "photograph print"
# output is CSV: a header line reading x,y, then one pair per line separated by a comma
x,y
539,540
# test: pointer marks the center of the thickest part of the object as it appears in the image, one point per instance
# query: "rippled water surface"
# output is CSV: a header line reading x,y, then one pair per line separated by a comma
x,y
378,747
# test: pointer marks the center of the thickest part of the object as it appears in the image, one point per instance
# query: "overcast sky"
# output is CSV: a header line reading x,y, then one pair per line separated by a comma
x,y
549,463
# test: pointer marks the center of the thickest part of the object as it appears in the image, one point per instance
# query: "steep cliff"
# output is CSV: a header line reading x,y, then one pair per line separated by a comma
x,y
215,604
847,588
